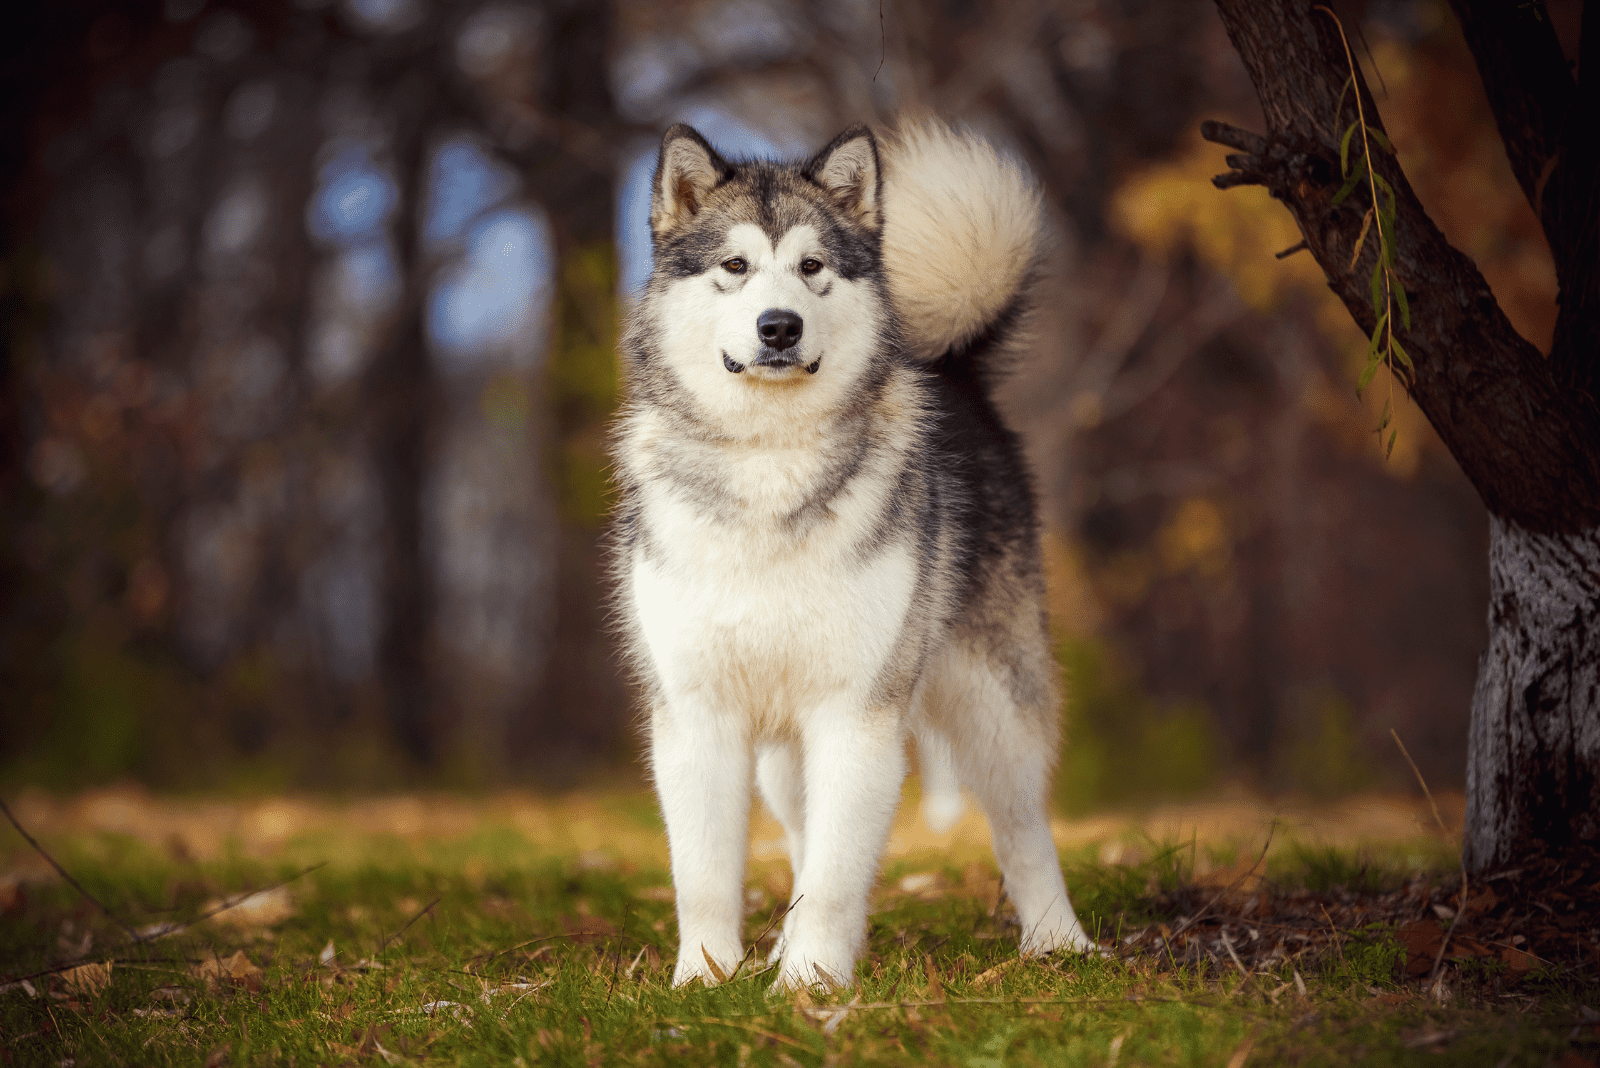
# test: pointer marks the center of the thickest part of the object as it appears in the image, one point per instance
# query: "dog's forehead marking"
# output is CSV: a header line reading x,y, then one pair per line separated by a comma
x,y
761,247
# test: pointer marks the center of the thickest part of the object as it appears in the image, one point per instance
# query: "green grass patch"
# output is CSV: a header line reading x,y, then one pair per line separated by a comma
x,y
487,951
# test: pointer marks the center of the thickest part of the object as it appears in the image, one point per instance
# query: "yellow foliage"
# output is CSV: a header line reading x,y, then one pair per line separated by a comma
x,y
1196,538
1173,205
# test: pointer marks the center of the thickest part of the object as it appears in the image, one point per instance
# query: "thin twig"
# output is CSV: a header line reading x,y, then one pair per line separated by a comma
x,y
96,902
425,910
617,967
1333,929
1420,782
125,962
883,44
1438,960
1191,921
576,936
233,902
777,915
1372,185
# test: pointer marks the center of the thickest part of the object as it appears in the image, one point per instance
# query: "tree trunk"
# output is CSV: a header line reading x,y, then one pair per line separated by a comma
x,y
1533,757
1523,426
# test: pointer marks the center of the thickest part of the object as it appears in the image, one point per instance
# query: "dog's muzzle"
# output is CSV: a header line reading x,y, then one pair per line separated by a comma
x,y
733,366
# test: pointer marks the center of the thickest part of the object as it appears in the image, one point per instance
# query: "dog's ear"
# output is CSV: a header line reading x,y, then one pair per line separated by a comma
x,y
848,168
686,171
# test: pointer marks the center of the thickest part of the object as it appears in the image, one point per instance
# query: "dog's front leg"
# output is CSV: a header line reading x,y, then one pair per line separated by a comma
x,y
854,764
702,764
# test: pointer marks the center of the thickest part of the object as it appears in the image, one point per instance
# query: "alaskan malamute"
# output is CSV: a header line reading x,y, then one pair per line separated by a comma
x,y
826,539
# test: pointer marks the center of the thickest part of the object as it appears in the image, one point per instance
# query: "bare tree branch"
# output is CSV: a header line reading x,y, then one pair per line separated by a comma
x,y
1523,438
1547,121
1527,81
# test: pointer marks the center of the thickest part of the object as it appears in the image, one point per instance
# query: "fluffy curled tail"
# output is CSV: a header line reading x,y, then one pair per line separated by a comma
x,y
961,235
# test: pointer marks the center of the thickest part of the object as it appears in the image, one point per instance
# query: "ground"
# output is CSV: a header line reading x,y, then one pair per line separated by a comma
x,y
517,929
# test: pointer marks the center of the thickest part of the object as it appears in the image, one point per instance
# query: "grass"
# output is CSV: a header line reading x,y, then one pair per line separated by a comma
x,y
491,950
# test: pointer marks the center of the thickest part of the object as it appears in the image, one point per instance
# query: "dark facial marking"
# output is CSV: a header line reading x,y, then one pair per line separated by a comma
x,y
811,368
732,365
777,198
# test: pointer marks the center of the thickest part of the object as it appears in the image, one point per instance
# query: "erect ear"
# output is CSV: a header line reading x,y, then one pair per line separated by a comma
x,y
687,170
848,168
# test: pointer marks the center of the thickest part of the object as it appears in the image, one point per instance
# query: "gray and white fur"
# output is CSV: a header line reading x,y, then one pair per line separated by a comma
x,y
826,542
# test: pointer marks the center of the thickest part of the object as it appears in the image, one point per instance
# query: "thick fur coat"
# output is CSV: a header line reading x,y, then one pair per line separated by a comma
x,y
826,542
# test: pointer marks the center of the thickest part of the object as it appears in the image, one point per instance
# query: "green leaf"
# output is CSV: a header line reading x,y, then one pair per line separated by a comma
x,y
1383,142
1373,343
1344,149
1390,450
1383,420
1352,181
1348,82
1386,240
1378,307
1399,292
1388,193
1405,360
1366,375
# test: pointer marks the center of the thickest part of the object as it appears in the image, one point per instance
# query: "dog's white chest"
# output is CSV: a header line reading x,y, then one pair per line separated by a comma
x,y
759,625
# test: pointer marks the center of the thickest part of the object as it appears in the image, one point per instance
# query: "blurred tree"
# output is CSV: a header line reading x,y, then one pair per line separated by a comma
x,y
1524,426
311,308
280,287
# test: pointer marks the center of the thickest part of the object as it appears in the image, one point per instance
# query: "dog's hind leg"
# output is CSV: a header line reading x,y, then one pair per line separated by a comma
x,y
941,787
702,764
779,778
855,761
1005,751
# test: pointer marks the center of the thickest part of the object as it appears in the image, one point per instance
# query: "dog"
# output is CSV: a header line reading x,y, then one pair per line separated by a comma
x,y
826,541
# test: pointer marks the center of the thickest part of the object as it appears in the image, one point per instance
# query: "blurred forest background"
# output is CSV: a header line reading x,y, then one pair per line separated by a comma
x,y
309,308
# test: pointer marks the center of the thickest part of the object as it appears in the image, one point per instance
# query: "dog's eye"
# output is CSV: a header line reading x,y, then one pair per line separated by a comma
x,y
810,265
734,266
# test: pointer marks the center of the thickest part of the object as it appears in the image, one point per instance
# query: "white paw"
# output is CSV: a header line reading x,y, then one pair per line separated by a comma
x,y
709,968
1054,937
832,969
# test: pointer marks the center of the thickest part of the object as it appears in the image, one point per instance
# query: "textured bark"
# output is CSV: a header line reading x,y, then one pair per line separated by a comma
x,y
1525,440
1547,119
1524,428
1534,751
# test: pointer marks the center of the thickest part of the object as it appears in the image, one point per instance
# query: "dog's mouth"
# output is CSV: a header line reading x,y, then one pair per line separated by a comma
x,y
771,361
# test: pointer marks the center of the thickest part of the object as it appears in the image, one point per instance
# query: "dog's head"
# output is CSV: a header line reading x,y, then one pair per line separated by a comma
x,y
767,288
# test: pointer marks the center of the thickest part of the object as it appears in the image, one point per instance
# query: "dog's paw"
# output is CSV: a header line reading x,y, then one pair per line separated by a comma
x,y
703,967
828,968
1069,937
802,979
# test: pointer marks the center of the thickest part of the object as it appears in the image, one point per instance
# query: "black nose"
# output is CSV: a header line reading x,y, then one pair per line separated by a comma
x,y
780,329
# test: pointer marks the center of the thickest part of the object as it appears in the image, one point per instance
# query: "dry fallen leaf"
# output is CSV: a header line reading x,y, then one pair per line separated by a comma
x,y
260,909
935,988
87,980
993,975
1517,960
236,970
